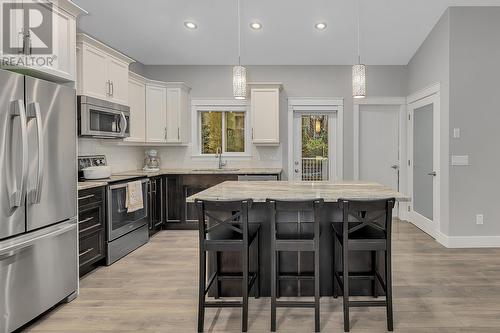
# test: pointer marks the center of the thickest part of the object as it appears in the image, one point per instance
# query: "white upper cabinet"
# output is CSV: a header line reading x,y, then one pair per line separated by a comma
x,y
177,112
265,109
57,64
102,71
156,112
137,103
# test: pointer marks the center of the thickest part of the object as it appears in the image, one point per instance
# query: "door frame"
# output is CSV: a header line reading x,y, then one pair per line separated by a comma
x,y
325,106
402,207
430,95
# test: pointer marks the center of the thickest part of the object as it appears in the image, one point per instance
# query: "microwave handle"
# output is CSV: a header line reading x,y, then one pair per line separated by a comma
x,y
125,124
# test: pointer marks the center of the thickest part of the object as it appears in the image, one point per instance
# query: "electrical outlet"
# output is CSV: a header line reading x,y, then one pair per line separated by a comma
x,y
479,219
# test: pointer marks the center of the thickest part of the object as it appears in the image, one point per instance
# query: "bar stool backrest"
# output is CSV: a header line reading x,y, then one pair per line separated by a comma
x,y
292,217
223,217
359,214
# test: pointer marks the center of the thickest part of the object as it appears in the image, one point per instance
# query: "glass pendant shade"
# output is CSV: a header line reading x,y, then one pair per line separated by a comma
x,y
359,81
239,82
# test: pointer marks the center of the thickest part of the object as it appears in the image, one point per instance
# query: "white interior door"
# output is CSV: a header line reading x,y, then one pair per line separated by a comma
x,y
315,157
378,153
424,169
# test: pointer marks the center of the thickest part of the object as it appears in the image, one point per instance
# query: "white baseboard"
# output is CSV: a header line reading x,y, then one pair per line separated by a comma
x,y
466,242
461,242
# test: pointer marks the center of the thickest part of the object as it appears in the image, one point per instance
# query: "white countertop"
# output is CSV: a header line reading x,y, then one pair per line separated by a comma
x,y
259,191
204,171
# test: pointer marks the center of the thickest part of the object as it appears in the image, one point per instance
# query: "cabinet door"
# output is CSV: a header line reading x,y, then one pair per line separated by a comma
x,y
137,103
265,116
64,45
93,77
156,113
173,114
118,77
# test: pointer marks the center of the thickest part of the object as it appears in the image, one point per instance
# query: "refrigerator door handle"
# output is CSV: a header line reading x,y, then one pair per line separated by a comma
x,y
34,194
16,196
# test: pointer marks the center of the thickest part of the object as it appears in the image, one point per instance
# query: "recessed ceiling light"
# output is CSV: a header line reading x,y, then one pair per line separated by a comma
x,y
256,25
190,25
320,26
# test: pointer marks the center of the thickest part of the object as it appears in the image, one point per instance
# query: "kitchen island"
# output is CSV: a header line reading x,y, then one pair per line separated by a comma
x,y
292,263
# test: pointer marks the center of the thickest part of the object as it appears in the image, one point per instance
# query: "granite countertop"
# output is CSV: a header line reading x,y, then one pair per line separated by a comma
x,y
91,184
204,171
259,191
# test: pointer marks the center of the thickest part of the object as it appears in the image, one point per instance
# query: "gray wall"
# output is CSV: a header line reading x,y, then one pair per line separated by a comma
x,y
429,65
475,109
298,81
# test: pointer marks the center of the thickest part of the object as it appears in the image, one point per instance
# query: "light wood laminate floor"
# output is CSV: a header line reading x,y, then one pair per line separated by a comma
x,y
154,289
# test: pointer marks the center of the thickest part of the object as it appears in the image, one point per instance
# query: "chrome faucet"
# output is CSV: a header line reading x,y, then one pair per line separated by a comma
x,y
219,156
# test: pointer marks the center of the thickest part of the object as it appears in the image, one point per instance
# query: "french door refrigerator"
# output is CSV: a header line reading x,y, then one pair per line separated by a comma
x,y
38,172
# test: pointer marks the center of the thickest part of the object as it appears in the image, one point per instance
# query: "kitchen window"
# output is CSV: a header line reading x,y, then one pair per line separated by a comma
x,y
224,126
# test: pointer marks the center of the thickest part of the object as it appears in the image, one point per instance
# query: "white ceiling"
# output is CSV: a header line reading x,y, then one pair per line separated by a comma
x,y
152,31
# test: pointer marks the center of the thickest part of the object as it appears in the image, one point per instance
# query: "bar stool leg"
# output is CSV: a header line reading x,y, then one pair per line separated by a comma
x,y
316,289
374,272
345,264
257,278
388,283
201,283
273,288
216,258
244,323
334,268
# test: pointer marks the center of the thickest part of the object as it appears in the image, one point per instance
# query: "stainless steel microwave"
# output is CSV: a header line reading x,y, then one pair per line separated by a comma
x,y
102,119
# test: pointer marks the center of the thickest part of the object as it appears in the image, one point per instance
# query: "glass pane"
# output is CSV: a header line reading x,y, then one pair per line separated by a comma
x,y
119,215
235,131
315,147
104,121
423,161
211,132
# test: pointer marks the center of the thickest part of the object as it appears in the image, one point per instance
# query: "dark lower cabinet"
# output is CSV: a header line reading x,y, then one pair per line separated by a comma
x,y
156,203
91,228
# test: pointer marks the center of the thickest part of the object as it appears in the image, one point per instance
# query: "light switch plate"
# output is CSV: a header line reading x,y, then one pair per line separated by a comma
x,y
456,133
459,159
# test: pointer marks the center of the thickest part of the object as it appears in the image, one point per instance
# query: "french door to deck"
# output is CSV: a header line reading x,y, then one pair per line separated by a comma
x,y
315,148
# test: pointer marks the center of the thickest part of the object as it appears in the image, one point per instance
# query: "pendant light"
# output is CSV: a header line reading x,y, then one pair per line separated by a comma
x,y
359,71
239,72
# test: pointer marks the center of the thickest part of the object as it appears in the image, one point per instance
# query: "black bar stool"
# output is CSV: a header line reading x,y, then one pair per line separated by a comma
x,y
302,237
366,226
223,226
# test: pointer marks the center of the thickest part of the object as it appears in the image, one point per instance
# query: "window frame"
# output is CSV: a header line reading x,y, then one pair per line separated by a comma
x,y
199,106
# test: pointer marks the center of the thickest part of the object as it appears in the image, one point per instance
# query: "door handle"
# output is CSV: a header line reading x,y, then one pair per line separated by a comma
x,y
35,194
433,173
16,196
125,124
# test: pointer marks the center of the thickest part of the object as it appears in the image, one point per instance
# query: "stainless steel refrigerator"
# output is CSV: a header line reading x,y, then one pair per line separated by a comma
x,y
38,172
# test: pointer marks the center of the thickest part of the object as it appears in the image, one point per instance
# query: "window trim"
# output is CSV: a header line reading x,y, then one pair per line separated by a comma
x,y
198,106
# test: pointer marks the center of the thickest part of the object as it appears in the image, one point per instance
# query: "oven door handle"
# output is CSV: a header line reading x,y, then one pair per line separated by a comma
x,y
122,185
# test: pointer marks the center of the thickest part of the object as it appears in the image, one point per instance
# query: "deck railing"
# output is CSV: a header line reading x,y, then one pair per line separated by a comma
x,y
314,168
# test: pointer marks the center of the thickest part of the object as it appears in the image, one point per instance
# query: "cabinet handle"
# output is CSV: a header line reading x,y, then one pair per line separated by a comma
x,y
252,133
86,220
178,133
165,134
86,197
85,252
112,85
